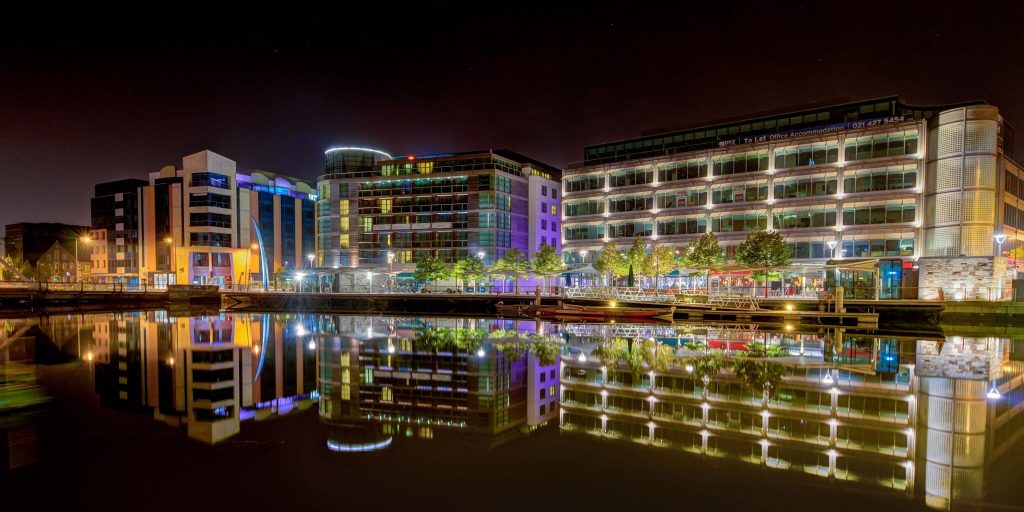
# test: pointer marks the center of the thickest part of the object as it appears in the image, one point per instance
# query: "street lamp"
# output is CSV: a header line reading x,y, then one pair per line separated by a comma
x,y
480,254
310,257
170,260
85,239
1000,238
583,255
832,247
391,269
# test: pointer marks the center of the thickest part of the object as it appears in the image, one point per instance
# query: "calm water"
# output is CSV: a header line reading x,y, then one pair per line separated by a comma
x,y
159,411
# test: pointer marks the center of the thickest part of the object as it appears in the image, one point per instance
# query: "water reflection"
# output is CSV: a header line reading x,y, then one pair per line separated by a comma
x,y
915,416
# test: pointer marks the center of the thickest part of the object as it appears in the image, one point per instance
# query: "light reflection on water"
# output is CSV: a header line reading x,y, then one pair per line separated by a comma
x,y
920,416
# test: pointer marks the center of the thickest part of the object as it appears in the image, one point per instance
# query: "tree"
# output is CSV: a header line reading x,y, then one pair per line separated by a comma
x,y
763,251
611,262
637,255
513,264
468,269
547,263
659,261
705,253
431,269
11,267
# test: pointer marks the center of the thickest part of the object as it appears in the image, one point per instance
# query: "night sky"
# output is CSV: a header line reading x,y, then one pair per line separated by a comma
x,y
100,103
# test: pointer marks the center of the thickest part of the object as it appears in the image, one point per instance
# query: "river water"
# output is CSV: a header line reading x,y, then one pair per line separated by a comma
x,y
158,410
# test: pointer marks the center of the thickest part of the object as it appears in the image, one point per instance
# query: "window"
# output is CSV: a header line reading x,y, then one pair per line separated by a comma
x,y
584,208
630,230
808,154
889,178
554,209
879,213
808,186
630,204
543,207
209,199
740,193
210,179
741,163
684,226
217,220
875,247
554,193
692,169
804,218
739,222
210,239
630,177
593,232
884,145
544,190
683,198
583,183
544,224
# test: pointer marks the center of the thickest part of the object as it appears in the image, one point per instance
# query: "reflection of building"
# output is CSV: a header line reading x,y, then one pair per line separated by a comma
x,y
933,435
376,374
876,179
209,373
449,206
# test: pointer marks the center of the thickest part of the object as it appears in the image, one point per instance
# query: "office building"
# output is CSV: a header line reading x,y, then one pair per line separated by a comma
x,y
379,211
115,232
205,223
930,192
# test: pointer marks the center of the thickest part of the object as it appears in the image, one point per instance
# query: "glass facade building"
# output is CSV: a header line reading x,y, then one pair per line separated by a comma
x,y
375,210
876,179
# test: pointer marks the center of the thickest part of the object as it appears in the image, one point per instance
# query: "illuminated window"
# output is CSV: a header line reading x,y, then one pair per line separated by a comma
x,y
343,207
386,394
346,392
343,224
554,209
385,206
424,167
343,241
366,224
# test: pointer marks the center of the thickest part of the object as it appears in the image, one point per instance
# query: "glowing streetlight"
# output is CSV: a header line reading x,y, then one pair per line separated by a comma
x,y
582,358
310,257
480,352
85,239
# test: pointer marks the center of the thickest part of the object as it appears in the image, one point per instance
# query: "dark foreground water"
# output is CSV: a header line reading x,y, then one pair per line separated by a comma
x,y
156,411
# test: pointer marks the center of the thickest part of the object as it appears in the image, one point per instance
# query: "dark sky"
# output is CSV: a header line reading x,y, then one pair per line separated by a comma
x,y
94,103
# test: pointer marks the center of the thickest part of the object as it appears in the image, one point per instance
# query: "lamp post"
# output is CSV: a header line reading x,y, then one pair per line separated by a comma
x,y
170,260
85,239
391,269
248,266
1000,238
832,247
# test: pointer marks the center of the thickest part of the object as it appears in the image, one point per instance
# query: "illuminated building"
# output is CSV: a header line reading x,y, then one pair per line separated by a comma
x,y
903,415
378,378
195,225
922,189
30,241
379,211
115,231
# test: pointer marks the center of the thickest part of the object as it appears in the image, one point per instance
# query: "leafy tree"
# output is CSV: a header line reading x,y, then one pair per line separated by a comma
x,y
547,263
704,253
764,251
637,256
12,266
431,269
659,261
612,262
513,264
468,269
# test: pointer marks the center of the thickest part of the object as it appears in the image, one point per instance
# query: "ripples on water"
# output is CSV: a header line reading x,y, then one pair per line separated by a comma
x,y
922,420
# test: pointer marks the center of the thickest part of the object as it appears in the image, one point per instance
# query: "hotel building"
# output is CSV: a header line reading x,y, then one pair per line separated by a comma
x,y
925,190
379,211
205,223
